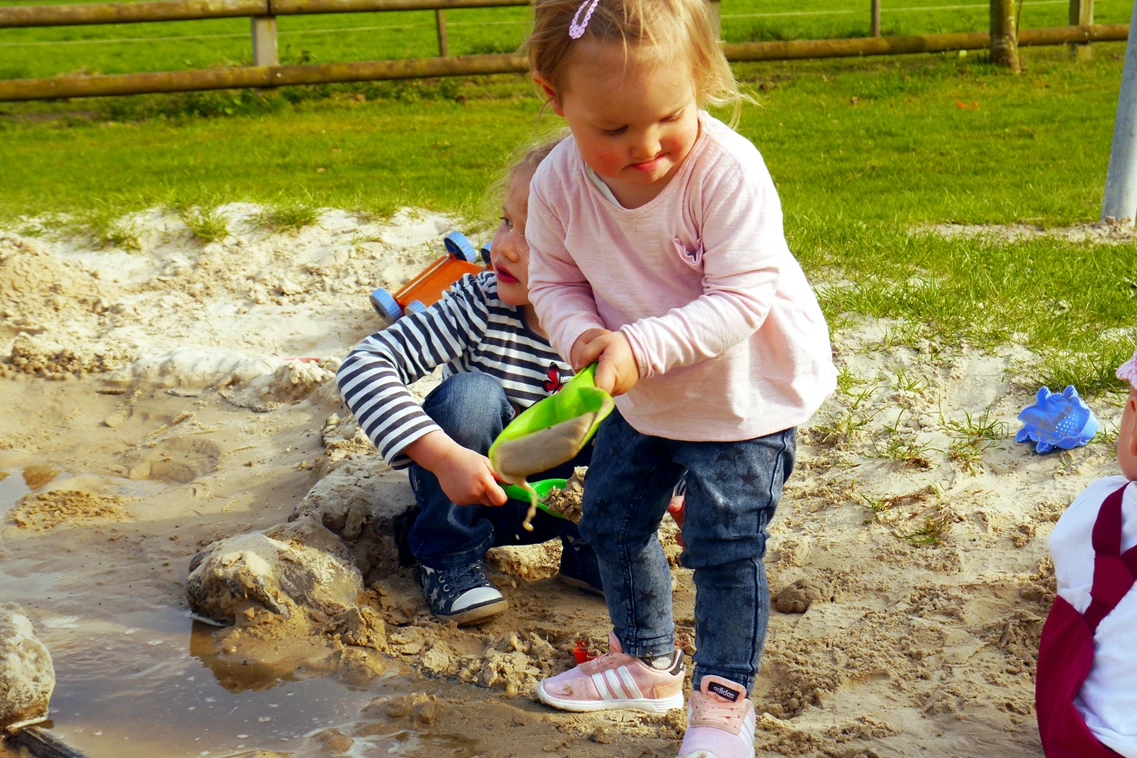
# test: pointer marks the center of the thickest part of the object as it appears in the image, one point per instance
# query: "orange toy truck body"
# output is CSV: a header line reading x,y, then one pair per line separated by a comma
x,y
427,288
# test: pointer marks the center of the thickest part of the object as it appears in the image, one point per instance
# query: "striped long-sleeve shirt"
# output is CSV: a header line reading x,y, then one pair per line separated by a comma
x,y
470,329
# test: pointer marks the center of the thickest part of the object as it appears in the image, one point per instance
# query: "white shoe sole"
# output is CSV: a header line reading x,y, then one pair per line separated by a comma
x,y
651,705
475,615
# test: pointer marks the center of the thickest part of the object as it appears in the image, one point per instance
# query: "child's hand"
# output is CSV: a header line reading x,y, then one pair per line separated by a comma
x,y
467,479
581,344
465,476
617,371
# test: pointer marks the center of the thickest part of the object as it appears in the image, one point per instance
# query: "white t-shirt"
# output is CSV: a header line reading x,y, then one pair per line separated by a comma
x,y
1108,699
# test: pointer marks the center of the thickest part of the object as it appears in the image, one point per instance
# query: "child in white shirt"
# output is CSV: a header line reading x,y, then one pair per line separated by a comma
x,y
1107,700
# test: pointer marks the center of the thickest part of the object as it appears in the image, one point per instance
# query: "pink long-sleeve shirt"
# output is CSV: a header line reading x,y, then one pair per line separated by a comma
x,y
727,333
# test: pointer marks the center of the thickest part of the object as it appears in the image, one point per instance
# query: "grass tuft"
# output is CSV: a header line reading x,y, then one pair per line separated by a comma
x,y
288,217
1091,374
205,224
105,226
975,436
933,528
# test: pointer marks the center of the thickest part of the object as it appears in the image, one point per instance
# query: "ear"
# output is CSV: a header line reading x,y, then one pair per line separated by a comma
x,y
550,92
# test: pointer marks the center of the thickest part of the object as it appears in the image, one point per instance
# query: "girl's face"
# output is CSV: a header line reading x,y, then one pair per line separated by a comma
x,y
509,252
1127,438
634,121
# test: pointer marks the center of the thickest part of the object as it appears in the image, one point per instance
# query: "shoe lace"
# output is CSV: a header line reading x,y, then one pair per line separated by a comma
x,y
707,709
461,579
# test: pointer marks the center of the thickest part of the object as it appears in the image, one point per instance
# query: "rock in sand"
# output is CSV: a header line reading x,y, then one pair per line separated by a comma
x,y
27,676
289,568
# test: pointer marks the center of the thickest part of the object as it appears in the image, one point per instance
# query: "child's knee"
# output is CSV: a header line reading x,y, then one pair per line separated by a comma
x,y
469,407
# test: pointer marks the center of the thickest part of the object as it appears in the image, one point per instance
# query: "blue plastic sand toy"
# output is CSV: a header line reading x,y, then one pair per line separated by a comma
x,y
1057,420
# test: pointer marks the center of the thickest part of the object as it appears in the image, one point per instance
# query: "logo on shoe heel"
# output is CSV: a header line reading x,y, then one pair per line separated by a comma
x,y
726,693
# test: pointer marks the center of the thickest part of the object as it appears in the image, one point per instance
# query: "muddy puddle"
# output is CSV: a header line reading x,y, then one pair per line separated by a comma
x,y
143,679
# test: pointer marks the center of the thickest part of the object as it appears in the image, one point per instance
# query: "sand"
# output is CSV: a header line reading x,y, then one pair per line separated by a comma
x,y
155,401
567,502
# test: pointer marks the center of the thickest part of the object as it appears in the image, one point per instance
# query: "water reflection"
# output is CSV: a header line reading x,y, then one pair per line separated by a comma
x,y
135,680
236,672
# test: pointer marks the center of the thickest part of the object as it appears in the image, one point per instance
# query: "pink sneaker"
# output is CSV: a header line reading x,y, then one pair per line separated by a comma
x,y
720,721
615,680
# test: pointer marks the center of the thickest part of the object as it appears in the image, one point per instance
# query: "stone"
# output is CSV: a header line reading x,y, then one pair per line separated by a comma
x,y
298,566
371,508
27,676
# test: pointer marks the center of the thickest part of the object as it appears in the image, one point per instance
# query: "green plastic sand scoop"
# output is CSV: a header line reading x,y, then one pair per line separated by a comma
x,y
542,488
552,431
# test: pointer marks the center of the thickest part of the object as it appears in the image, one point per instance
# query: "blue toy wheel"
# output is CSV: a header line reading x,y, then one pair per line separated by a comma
x,y
486,254
415,306
385,305
459,247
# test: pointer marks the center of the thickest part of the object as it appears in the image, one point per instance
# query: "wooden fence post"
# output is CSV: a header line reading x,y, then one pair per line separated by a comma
x,y
876,17
714,11
1005,35
264,41
440,22
1081,14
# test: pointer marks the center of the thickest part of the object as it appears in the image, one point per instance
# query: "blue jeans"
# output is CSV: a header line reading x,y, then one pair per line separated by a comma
x,y
732,491
472,409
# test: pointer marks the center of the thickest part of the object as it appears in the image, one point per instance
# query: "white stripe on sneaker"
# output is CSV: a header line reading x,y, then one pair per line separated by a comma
x,y
629,683
614,685
601,687
748,725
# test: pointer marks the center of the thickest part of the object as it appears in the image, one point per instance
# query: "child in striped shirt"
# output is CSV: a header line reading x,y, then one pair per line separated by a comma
x,y
496,362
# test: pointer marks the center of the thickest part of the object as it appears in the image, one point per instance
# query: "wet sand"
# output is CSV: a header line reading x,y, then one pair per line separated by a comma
x,y
921,556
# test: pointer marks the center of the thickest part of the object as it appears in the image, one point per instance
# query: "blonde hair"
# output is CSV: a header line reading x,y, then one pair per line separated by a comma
x,y
663,26
523,162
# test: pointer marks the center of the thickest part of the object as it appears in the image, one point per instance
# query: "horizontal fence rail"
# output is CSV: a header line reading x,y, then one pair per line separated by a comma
x,y
930,43
472,65
259,76
14,17
266,72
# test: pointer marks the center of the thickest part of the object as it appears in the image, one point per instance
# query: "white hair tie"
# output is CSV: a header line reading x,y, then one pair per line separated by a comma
x,y
576,30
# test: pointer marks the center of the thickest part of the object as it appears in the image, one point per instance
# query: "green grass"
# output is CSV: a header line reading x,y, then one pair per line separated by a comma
x,y
206,224
288,216
172,46
859,179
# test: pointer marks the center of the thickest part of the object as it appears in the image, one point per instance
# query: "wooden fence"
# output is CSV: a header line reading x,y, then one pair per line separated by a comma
x,y
1003,41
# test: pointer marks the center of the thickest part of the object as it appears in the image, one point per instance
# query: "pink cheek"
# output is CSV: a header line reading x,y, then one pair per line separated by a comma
x,y
499,238
609,162
678,143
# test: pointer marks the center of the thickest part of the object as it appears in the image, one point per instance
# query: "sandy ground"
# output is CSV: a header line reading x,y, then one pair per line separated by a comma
x,y
152,404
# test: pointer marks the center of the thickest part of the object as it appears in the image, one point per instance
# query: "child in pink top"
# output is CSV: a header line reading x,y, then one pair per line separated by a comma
x,y
658,252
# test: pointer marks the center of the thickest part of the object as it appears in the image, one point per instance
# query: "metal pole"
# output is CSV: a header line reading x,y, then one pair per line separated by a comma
x,y
440,22
876,18
1120,201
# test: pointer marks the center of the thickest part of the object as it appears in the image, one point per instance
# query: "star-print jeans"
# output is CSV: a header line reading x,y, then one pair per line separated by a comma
x,y
732,491
472,408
